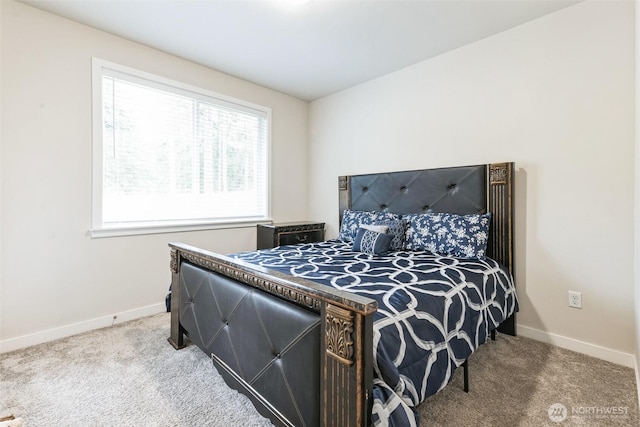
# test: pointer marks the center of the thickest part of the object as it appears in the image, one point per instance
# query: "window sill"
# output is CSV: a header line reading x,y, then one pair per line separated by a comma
x,y
157,228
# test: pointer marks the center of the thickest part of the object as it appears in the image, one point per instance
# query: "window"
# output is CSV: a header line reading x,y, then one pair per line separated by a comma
x,y
167,156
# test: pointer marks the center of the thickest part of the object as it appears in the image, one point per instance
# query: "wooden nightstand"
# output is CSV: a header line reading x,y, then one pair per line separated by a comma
x,y
291,233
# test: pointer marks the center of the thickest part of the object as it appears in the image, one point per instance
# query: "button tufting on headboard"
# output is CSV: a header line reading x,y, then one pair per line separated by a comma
x,y
459,190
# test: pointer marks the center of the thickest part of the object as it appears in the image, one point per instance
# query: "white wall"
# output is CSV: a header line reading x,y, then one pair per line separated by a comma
x,y
55,280
556,96
1,286
637,199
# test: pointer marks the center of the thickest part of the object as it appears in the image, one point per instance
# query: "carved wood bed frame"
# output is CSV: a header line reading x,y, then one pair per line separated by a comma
x,y
344,366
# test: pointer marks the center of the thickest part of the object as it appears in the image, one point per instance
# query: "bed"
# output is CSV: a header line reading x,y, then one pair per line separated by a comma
x,y
361,329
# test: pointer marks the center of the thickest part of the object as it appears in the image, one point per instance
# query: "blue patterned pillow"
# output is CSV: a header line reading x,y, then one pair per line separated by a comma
x,y
396,229
371,242
351,221
462,236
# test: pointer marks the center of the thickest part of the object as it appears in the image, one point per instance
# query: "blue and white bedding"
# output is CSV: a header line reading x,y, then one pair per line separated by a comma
x,y
433,312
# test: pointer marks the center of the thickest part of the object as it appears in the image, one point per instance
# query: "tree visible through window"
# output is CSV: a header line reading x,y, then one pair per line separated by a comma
x,y
177,156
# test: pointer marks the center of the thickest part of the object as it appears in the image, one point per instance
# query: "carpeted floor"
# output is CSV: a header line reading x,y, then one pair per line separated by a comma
x,y
514,381
128,375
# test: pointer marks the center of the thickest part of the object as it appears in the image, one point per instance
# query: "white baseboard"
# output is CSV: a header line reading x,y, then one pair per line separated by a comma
x,y
77,328
614,356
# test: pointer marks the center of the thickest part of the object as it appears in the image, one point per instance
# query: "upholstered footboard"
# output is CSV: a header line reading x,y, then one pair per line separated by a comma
x,y
299,351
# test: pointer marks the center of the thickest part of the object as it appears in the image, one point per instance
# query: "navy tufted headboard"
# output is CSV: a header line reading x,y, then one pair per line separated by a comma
x,y
461,190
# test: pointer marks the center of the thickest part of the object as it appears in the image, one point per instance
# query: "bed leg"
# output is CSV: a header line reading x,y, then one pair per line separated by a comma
x,y
176,338
347,377
465,369
508,326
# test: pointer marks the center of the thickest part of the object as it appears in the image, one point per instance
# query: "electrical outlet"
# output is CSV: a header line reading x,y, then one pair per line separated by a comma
x,y
575,299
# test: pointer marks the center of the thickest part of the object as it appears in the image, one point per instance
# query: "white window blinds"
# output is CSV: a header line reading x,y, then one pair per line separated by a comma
x,y
172,155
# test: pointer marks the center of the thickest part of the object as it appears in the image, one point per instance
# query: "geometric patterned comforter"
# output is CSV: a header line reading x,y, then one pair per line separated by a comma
x,y
433,312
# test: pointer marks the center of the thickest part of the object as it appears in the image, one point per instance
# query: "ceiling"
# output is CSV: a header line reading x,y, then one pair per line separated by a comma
x,y
304,49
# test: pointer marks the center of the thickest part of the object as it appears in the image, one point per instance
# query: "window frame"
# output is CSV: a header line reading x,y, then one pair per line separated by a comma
x,y
98,228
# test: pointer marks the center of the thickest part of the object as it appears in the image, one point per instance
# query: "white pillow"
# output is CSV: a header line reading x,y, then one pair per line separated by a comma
x,y
376,228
